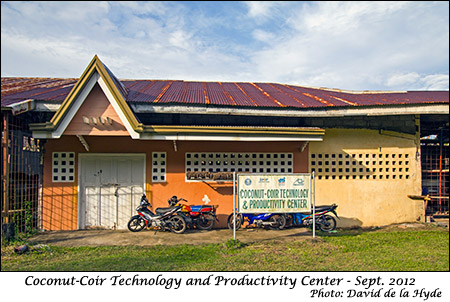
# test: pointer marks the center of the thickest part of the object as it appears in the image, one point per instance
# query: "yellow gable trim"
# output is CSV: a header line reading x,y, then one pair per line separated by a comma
x,y
94,66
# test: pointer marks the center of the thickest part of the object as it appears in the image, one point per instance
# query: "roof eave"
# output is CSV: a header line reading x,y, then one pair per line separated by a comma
x,y
328,111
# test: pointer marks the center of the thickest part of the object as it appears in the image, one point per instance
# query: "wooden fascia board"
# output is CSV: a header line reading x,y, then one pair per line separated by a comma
x,y
119,98
71,97
232,130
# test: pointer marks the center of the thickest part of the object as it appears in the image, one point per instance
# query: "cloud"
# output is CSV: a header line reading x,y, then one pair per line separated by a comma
x,y
435,82
347,45
263,36
358,45
261,9
402,79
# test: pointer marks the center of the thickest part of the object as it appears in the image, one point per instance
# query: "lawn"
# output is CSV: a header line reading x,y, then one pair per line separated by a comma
x,y
389,249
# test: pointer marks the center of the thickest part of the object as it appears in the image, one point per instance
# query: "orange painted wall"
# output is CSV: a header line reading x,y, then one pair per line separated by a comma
x,y
59,204
59,200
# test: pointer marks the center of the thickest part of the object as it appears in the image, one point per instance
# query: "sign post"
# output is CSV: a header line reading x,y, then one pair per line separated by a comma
x,y
234,206
313,199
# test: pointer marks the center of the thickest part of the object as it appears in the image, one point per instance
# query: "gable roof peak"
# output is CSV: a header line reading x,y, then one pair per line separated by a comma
x,y
95,72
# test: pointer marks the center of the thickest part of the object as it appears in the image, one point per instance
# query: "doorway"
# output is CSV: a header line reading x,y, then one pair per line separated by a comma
x,y
111,186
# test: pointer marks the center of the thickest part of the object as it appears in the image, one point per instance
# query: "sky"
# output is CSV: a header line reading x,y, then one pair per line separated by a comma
x,y
350,45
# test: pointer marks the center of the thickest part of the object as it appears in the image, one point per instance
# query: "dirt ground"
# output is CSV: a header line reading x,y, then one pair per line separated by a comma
x,y
150,238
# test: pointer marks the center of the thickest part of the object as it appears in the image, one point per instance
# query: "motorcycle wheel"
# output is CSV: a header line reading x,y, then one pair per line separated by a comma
x,y
136,224
238,221
177,224
205,222
289,220
277,222
327,224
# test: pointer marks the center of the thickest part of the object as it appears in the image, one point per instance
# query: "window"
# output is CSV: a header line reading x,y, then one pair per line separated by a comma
x,y
159,163
224,164
63,167
369,169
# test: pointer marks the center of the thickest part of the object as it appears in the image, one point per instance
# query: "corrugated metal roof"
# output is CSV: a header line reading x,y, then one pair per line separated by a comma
x,y
14,90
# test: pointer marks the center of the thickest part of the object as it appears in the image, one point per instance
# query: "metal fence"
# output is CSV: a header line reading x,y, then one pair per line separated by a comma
x,y
435,169
21,174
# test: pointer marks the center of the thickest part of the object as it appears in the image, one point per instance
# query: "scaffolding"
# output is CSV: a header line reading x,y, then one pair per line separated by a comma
x,y
435,168
21,174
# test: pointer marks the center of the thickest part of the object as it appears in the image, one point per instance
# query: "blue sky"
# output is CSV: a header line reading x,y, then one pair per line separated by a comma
x,y
346,45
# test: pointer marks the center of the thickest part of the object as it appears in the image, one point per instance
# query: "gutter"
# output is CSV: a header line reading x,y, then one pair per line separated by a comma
x,y
23,106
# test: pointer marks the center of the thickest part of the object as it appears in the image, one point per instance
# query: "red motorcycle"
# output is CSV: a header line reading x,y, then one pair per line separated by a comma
x,y
202,217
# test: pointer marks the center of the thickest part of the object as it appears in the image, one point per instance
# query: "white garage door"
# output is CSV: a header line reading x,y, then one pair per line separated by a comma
x,y
111,188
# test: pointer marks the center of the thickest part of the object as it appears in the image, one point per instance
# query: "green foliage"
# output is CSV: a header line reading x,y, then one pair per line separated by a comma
x,y
24,221
236,244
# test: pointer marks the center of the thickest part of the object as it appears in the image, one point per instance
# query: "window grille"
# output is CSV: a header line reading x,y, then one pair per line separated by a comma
x,y
63,167
220,166
159,163
390,166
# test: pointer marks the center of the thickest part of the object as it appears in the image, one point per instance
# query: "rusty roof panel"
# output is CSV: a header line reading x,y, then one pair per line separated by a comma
x,y
175,93
151,93
138,91
217,95
15,90
300,96
236,93
194,93
281,96
35,88
259,98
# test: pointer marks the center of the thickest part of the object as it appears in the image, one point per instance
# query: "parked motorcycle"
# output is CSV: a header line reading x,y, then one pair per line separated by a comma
x,y
273,221
325,223
202,217
163,218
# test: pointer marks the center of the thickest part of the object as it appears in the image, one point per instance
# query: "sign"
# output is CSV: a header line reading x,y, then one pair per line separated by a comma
x,y
274,193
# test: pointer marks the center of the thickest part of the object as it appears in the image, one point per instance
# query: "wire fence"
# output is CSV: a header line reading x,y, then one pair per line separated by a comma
x,y
21,174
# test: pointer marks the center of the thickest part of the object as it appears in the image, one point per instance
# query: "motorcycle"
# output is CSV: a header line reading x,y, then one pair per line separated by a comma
x,y
163,218
326,223
273,221
202,217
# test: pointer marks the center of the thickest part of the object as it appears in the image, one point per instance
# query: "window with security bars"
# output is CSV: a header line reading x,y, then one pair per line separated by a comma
x,y
220,166
159,162
63,167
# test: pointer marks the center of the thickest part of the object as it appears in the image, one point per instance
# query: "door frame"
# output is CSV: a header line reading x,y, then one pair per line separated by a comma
x,y
83,156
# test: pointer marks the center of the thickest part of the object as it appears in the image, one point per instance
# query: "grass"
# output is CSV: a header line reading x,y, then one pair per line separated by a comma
x,y
390,249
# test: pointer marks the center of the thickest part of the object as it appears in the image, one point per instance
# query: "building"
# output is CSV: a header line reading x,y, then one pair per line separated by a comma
x,y
104,142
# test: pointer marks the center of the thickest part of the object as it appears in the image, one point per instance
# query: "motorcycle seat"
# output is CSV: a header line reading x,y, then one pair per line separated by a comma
x,y
161,211
318,209
322,208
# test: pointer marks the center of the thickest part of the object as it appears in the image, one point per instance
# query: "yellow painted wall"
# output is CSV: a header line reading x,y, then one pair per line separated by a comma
x,y
369,175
